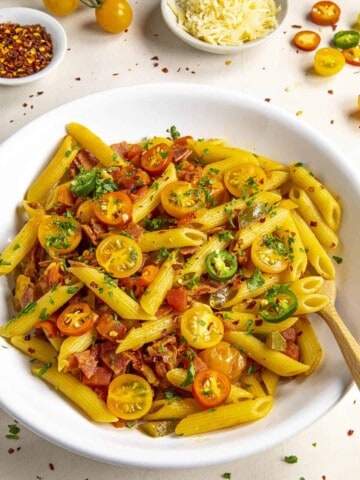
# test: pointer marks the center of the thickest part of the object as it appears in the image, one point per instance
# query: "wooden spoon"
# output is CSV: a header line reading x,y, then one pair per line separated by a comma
x,y
346,342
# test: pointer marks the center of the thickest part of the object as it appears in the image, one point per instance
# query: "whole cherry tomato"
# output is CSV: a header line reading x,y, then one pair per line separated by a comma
x,y
113,16
61,8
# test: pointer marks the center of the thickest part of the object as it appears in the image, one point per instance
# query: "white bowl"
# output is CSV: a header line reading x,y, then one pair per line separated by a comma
x,y
31,16
171,22
201,111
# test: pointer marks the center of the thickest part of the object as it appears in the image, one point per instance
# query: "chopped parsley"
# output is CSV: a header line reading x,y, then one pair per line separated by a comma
x,y
14,431
291,459
337,259
44,369
190,375
4,262
173,132
256,280
226,475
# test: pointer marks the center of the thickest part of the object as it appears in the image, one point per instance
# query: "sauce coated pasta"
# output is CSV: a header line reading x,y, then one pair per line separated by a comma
x,y
166,284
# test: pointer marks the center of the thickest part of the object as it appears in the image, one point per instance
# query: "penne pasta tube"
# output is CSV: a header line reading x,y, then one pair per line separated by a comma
x,y
253,323
310,348
20,246
174,409
80,394
276,178
33,208
310,303
237,158
225,416
238,394
74,344
307,285
94,144
176,377
35,348
54,171
275,361
23,321
270,380
148,332
319,194
253,385
173,238
297,253
210,151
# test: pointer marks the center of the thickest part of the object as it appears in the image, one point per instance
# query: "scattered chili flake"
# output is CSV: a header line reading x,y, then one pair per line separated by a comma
x,y
51,466
267,99
296,26
323,477
330,92
77,79
155,58
24,49
165,70
11,450
350,432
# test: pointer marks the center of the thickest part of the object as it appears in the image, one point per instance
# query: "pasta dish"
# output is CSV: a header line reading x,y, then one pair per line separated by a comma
x,y
165,284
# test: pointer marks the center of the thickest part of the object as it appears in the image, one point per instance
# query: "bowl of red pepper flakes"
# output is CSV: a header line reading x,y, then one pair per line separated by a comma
x,y
32,44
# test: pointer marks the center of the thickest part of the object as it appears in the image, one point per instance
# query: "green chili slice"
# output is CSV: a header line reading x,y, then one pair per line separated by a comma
x,y
279,304
346,39
221,265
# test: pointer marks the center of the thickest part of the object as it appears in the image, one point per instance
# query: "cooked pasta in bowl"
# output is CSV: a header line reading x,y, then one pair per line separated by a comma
x,y
161,283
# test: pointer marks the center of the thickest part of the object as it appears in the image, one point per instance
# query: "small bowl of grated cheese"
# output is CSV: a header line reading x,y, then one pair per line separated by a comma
x,y
224,26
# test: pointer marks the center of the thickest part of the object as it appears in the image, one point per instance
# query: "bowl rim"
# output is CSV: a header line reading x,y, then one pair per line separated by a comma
x,y
53,27
170,20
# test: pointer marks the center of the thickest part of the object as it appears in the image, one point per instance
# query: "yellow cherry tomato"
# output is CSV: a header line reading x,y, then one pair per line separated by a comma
x,y
59,235
201,328
61,7
225,358
269,254
328,61
129,396
181,198
119,255
114,16
244,180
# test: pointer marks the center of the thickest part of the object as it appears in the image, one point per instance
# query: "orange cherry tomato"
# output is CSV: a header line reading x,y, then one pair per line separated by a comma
x,y
244,180
129,397
59,235
156,159
200,327
226,358
148,275
325,13
328,61
211,388
113,208
307,40
119,255
352,55
269,254
113,16
75,319
180,198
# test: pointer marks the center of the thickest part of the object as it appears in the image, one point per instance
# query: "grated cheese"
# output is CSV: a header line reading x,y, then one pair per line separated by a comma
x,y
226,22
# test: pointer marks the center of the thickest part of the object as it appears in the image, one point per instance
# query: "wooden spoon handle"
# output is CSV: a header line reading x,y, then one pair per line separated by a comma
x,y
347,343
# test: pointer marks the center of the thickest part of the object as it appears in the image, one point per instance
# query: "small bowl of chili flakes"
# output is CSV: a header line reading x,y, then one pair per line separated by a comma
x,y
32,44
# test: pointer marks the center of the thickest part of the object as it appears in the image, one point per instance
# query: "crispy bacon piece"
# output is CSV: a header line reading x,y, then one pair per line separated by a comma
x,y
84,362
110,328
100,378
83,160
130,178
190,173
181,154
118,362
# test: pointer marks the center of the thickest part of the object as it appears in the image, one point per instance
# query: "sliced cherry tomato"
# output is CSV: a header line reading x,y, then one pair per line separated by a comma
x,y
201,328
119,255
110,328
211,388
346,39
221,265
156,159
325,13
59,235
49,327
352,56
113,208
113,16
75,319
225,358
244,180
307,40
177,299
328,61
148,275
63,7
180,198
85,212
269,254
279,304
129,397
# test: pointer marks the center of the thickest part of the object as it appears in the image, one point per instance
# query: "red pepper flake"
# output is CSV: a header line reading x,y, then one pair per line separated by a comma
x,y
330,92
267,99
350,432
11,451
296,26
77,79
313,223
51,466
155,58
24,49
165,70
323,477
39,93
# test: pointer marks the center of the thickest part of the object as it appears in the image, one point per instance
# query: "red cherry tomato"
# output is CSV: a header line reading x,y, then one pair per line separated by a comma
x,y
325,13
156,159
307,40
352,56
211,388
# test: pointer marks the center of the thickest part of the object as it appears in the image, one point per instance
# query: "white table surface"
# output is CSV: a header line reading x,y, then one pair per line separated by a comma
x,y
275,72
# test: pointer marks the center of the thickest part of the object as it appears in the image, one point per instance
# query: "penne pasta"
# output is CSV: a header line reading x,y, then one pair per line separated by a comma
x,y
172,409
310,303
270,380
253,323
74,345
310,348
174,238
297,253
35,348
307,285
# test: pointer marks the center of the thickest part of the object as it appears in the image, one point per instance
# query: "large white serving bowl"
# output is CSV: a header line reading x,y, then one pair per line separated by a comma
x,y
132,113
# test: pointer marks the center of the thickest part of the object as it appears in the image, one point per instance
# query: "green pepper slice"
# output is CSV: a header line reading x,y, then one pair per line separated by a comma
x,y
346,39
221,265
84,183
279,304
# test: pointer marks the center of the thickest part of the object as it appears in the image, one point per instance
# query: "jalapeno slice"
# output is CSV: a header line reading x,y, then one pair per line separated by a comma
x,y
279,304
346,39
221,265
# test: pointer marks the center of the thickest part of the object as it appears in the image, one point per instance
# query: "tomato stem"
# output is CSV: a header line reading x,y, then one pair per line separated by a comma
x,y
92,3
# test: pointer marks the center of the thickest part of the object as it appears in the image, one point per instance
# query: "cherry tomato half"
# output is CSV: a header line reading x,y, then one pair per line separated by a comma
x,y
352,56
307,40
113,208
65,7
75,319
211,388
201,328
129,396
180,198
225,358
114,16
156,159
119,255
269,254
328,61
59,235
325,13
244,180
